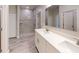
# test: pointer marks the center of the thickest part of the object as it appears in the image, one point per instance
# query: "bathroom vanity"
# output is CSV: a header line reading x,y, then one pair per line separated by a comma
x,y
60,32
55,41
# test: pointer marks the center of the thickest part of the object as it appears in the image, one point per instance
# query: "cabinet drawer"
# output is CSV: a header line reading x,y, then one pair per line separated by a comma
x,y
40,43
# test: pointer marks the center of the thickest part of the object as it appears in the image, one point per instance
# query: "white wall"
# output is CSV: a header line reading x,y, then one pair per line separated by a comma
x,y
67,8
12,21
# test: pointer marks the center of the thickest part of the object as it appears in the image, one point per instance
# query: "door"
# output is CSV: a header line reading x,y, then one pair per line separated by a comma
x,y
0,30
68,22
12,21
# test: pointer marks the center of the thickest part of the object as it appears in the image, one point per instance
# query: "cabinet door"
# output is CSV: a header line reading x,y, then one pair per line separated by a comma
x,y
50,48
40,43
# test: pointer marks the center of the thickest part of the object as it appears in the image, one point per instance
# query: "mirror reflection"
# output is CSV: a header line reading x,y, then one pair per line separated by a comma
x,y
59,18
52,16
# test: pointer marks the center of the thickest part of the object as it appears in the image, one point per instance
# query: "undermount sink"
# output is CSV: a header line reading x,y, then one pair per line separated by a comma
x,y
54,37
69,46
62,41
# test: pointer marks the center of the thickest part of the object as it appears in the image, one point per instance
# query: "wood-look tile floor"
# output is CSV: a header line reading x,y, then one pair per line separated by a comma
x,y
25,44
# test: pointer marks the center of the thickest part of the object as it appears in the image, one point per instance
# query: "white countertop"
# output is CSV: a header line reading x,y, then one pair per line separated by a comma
x,y
66,33
61,43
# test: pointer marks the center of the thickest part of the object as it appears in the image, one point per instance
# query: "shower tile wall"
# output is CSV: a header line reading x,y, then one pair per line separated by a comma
x,y
27,21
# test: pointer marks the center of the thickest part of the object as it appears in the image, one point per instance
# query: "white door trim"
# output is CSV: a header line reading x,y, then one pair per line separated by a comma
x,y
5,29
18,22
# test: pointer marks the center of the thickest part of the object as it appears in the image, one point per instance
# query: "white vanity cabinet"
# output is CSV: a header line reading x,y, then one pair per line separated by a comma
x,y
43,46
40,43
52,42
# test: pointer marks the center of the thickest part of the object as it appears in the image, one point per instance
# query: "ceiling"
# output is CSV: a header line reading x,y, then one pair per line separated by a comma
x,y
32,7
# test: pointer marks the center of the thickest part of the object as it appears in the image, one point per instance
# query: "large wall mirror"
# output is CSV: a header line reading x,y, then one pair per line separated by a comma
x,y
52,16
61,17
